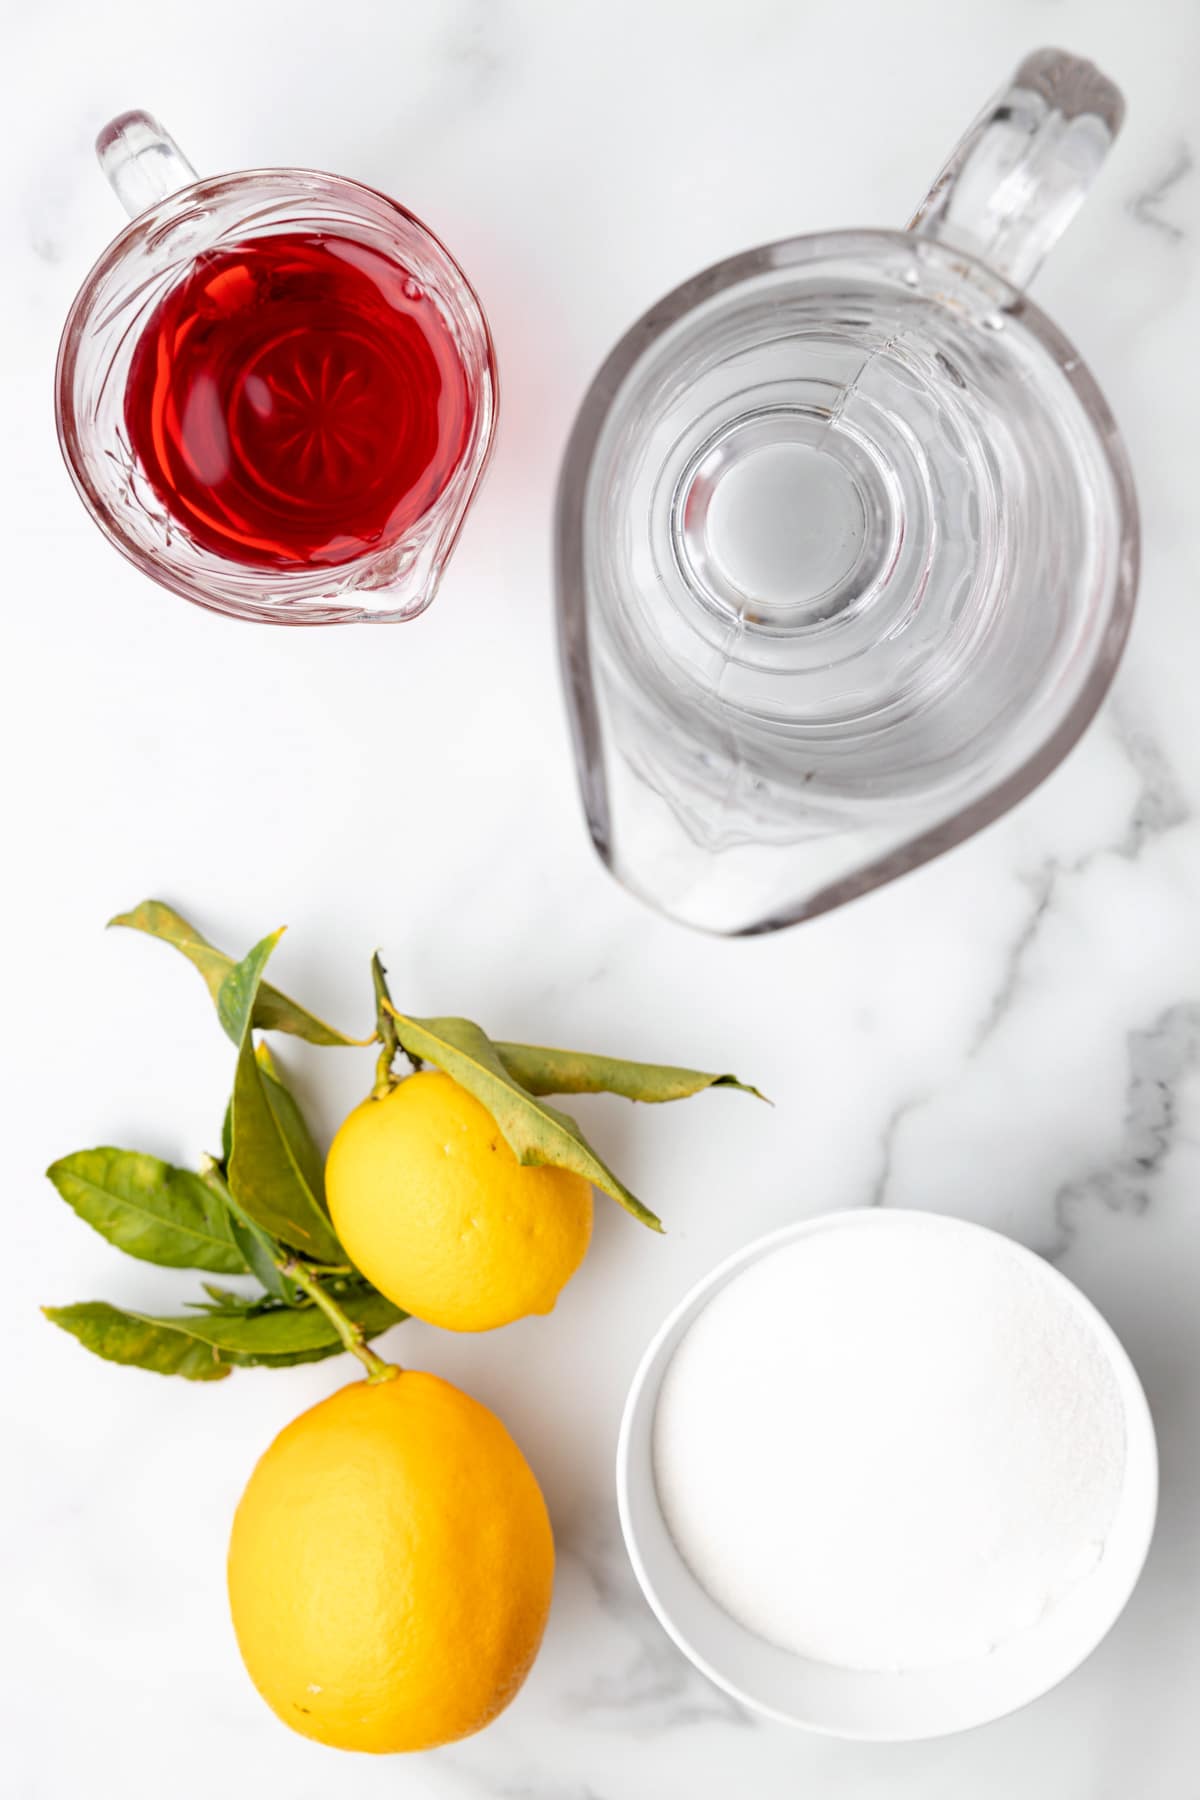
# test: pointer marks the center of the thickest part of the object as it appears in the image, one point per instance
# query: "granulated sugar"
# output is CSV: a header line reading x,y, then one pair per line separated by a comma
x,y
891,1449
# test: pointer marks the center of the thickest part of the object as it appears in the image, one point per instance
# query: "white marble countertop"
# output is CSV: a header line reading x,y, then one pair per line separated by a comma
x,y
1012,1034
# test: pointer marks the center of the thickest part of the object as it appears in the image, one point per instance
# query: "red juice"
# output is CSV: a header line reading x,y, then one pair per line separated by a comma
x,y
297,400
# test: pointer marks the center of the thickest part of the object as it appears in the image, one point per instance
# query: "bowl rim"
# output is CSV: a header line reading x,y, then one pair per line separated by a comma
x,y
653,1363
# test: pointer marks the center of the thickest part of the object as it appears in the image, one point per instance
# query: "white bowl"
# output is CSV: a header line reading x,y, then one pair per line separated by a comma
x,y
847,1702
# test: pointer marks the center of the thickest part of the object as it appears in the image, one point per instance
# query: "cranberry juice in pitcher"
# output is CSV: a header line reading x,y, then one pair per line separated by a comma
x,y
276,391
297,398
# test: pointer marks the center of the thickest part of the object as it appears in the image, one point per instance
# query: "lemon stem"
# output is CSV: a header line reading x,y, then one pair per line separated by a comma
x,y
386,1035
384,1080
352,1335
385,1031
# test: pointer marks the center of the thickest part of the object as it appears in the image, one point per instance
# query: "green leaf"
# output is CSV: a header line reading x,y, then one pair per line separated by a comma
x,y
128,1338
273,1011
265,1174
203,1346
260,1251
262,1336
149,1209
262,1254
263,1258
292,1123
239,990
312,1338
224,1299
543,1071
264,1177
535,1131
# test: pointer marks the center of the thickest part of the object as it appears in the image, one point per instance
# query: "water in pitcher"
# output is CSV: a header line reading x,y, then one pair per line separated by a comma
x,y
851,517
847,540
844,541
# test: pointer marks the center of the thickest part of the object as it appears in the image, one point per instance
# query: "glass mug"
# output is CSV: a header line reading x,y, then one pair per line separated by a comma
x,y
276,391
847,541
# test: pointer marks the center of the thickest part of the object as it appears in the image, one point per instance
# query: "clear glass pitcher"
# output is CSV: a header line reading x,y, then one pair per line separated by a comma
x,y
847,541
179,220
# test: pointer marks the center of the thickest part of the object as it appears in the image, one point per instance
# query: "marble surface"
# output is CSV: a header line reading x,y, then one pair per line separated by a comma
x,y
1012,1034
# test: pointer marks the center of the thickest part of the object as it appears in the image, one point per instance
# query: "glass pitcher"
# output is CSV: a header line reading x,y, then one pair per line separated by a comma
x,y
847,541
181,225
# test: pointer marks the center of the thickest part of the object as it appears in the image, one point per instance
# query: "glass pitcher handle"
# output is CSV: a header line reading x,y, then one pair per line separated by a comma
x,y
1022,171
142,162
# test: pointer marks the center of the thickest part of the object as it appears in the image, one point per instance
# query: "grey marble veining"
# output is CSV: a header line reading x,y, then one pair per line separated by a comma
x,y
1161,1058
1159,806
655,1688
1147,206
1162,804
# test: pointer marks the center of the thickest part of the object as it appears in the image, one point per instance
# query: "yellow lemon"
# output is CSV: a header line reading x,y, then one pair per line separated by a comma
x,y
390,1567
435,1209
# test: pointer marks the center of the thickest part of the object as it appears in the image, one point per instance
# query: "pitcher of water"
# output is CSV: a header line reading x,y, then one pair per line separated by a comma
x,y
847,541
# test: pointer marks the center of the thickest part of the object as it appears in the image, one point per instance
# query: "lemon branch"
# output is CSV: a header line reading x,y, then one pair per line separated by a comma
x,y
352,1335
385,1032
